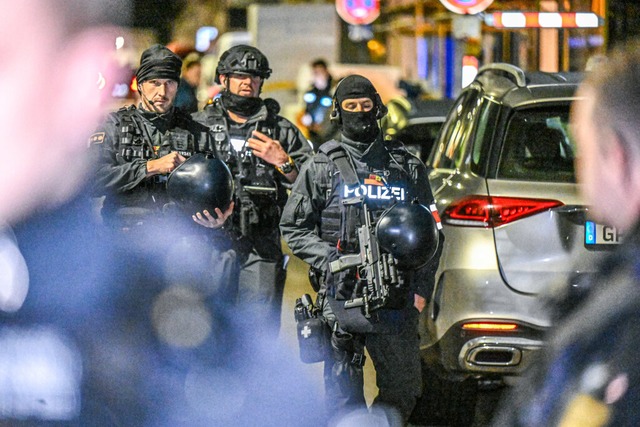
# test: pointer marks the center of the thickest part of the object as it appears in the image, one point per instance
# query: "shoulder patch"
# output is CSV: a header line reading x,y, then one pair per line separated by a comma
x,y
96,138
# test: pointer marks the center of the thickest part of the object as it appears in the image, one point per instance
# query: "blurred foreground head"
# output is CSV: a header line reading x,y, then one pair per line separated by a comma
x,y
606,126
53,54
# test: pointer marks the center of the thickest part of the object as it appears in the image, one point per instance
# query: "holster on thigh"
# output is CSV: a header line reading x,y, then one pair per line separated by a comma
x,y
347,351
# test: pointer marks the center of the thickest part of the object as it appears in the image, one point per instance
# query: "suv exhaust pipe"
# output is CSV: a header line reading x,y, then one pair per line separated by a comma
x,y
497,354
494,356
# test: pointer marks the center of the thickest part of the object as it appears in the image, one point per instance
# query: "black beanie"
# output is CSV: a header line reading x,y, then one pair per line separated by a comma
x,y
158,62
355,86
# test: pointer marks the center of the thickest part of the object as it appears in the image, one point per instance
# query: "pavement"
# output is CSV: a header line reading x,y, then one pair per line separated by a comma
x,y
298,284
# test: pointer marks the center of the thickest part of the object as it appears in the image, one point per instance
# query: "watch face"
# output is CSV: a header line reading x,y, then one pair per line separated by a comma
x,y
286,168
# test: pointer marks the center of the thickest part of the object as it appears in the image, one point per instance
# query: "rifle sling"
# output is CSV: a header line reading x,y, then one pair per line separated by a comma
x,y
340,157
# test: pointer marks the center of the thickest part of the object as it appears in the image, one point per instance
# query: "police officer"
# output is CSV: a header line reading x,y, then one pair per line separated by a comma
x,y
588,374
167,291
263,151
137,148
320,224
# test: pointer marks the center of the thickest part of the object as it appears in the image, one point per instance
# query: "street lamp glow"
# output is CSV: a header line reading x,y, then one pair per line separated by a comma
x,y
469,69
204,36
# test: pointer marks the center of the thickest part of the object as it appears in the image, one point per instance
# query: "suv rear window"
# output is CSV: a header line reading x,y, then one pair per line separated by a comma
x,y
457,132
537,146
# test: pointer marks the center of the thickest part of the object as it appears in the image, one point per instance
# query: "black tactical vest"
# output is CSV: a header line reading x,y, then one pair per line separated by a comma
x,y
137,139
379,188
259,197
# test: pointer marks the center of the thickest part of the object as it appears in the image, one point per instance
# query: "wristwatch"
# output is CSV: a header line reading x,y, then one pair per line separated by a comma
x,y
287,167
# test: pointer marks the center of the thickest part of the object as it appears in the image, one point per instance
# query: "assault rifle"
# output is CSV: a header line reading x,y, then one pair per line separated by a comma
x,y
377,272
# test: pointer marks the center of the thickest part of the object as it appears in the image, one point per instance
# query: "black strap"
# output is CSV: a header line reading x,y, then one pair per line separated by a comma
x,y
339,156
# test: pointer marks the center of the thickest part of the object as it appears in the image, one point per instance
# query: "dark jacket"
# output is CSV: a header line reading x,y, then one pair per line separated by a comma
x,y
187,97
262,209
303,225
121,147
589,367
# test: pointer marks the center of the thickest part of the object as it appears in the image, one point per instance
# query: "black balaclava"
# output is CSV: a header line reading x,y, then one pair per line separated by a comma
x,y
361,126
244,105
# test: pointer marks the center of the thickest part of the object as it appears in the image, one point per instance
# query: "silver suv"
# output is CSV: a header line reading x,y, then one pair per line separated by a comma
x,y
503,178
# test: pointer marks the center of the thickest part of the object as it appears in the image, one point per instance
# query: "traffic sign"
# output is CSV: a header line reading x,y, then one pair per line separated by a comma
x,y
466,7
358,12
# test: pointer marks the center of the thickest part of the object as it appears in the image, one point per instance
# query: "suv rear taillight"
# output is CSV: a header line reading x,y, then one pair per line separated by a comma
x,y
487,211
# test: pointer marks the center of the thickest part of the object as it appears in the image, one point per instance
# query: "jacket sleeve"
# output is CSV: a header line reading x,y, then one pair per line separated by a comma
x,y
424,277
294,143
300,221
112,173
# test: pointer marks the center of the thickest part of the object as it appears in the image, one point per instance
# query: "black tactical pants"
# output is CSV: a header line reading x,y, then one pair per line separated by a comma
x,y
261,285
396,359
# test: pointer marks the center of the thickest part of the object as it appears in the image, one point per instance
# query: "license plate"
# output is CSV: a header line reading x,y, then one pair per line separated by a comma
x,y
598,236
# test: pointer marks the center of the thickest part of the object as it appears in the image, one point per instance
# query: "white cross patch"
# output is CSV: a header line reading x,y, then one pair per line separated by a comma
x,y
305,332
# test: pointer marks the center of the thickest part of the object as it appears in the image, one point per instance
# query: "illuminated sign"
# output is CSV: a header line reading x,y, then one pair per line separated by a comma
x,y
466,7
358,12
374,191
543,20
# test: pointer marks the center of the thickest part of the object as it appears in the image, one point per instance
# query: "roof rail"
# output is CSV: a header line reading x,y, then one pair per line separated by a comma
x,y
515,73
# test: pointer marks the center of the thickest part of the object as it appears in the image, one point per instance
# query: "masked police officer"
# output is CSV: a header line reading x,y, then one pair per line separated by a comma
x,y
349,184
263,151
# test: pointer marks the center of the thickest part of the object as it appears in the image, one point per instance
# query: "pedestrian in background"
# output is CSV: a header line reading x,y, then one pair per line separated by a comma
x,y
588,372
318,98
187,96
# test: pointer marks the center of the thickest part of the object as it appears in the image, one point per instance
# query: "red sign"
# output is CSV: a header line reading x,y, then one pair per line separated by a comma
x,y
466,7
358,12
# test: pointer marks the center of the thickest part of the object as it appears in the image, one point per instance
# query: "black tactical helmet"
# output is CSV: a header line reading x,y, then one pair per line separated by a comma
x,y
243,59
409,232
201,183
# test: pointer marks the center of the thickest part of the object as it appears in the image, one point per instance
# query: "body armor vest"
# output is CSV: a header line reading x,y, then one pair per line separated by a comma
x,y
136,140
378,188
259,197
